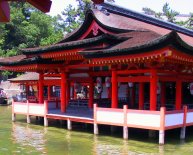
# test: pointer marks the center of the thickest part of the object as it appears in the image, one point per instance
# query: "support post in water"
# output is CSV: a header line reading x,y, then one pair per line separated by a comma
x,y
13,114
183,129
162,126
125,128
13,117
96,131
45,113
28,116
69,124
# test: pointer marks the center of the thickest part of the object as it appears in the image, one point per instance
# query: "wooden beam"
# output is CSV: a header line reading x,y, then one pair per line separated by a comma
x,y
80,79
4,11
138,71
134,79
101,73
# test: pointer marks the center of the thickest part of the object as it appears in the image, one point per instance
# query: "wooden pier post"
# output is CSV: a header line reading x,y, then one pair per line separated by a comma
x,y
162,126
28,116
69,124
13,117
96,131
13,114
183,129
125,128
161,137
45,113
183,133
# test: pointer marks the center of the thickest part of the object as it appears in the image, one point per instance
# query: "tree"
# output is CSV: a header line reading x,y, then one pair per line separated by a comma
x,y
169,13
28,28
166,11
72,17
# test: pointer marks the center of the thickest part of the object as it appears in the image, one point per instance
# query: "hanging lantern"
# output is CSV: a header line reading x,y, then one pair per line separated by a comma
x,y
130,84
30,88
99,82
53,89
158,88
191,88
108,82
76,87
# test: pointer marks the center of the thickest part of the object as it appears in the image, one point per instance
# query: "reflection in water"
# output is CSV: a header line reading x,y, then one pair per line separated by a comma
x,y
29,137
108,148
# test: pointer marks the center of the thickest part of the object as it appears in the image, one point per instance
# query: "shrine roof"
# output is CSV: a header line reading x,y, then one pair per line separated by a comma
x,y
23,60
126,18
72,44
29,76
140,44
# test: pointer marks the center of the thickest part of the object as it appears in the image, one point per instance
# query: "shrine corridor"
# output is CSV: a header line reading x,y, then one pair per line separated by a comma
x,y
22,138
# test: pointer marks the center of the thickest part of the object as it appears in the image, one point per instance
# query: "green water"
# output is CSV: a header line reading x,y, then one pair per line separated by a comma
x,y
22,138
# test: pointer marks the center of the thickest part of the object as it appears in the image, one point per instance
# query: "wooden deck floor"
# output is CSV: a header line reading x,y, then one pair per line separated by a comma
x,y
84,115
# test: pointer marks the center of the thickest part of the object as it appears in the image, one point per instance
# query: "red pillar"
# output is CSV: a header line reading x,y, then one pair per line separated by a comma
x,y
163,94
178,94
49,93
41,88
153,90
67,93
63,91
91,94
114,90
141,96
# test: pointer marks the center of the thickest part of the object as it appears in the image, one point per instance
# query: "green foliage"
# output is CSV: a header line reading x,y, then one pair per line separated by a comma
x,y
72,17
170,15
28,28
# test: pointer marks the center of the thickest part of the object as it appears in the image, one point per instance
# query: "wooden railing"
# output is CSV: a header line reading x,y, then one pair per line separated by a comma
x,y
144,119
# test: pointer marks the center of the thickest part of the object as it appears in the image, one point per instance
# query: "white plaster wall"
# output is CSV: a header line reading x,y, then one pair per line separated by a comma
x,y
110,117
139,119
173,119
20,108
36,109
189,118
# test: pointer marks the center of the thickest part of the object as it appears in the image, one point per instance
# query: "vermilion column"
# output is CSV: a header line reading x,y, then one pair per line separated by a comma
x,y
67,93
153,90
163,94
63,91
141,95
41,88
178,94
114,90
49,93
91,94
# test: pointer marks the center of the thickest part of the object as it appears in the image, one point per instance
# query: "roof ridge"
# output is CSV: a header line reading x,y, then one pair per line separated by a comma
x,y
145,18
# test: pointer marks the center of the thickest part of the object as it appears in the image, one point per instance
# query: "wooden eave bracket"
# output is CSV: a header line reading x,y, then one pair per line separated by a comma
x,y
43,5
4,11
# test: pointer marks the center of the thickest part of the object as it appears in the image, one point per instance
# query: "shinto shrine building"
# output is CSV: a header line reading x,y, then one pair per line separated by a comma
x,y
120,68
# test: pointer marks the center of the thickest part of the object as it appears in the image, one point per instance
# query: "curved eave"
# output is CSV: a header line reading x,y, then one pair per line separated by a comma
x,y
172,39
29,61
90,16
71,45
